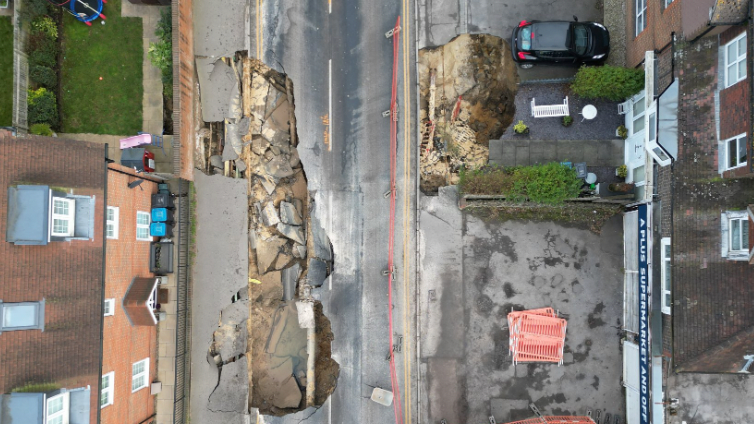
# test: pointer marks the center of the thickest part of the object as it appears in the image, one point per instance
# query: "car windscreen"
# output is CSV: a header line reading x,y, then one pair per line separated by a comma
x,y
524,38
579,39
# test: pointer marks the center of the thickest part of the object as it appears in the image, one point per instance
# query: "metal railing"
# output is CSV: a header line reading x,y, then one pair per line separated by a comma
x,y
183,312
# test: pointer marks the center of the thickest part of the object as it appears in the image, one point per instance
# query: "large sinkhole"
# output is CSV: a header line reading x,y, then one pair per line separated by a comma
x,y
273,341
467,92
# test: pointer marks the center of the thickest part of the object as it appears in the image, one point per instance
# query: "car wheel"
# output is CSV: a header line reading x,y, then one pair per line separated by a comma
x,y
526,65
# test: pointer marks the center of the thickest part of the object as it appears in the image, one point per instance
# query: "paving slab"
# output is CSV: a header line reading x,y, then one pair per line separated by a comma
x,y
220,270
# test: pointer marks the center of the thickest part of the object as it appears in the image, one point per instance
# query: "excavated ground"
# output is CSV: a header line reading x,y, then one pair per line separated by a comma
x,y
287,254
470,103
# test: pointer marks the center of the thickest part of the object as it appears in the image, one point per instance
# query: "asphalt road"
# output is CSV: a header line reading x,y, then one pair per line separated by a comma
x,y
340,62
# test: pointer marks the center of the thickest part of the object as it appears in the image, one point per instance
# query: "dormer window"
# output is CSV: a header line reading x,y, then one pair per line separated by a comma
x,y
63,213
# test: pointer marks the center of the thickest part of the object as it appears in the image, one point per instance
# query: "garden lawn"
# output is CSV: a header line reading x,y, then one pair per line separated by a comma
x,y
6,71
112,51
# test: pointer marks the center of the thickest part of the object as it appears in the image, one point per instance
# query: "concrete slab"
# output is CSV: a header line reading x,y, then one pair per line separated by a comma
x,y
220,270
707,398
517,265
216,82
231,393
219,31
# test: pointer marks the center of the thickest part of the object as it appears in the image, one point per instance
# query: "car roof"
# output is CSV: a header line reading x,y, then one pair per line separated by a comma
x,y
550,35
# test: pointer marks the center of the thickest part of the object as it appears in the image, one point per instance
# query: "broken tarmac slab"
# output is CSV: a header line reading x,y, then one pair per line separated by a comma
x,y
289,215
230,341
216,82
292,232
230,394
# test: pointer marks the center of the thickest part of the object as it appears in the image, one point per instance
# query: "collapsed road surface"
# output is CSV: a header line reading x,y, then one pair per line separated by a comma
x,y
341,62
468,87
271,342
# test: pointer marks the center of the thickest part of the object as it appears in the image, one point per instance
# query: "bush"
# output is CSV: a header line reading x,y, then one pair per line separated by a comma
x,y
44,76
607,82
45,25
41,129
41,42
549,184
42,58
34,9
43,108
161,52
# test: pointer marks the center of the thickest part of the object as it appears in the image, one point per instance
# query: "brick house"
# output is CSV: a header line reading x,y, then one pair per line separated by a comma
x,y
51,291
130,351
76,250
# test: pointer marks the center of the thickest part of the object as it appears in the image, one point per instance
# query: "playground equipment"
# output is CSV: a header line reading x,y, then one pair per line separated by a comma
x,y
85,11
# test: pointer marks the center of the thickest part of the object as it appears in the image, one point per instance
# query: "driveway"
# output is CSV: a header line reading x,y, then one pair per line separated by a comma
x,y
473,271
440,21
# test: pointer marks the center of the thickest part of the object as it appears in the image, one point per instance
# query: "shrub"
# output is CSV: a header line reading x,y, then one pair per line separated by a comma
x,y
520,127
34,8
44,76
41,129
607,82
567,120
42,58
622,171
41,42
161,52
622,132
45,25
43,108
550,184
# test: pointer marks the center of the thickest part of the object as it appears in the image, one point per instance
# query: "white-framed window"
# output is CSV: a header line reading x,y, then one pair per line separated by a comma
x,y
139,375
735,60
63,211
108,385
666,275
58,409
109,307
112,222
736,154
143,219
637,111
734,227
739,234
641,16
22,316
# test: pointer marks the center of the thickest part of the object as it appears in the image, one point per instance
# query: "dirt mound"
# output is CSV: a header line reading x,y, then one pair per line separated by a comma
x,y
467,90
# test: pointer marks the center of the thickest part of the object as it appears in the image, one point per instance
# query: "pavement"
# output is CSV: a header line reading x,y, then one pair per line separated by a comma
x,y
523,152
151,103
708,398
221,269
439,21
473,271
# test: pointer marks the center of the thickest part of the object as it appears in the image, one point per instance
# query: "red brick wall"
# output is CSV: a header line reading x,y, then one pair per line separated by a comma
x,y
183,86
660,23
68,275
123,344
734,106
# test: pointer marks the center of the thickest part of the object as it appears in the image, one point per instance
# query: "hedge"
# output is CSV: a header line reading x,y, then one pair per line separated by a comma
x,y
607,82
43,108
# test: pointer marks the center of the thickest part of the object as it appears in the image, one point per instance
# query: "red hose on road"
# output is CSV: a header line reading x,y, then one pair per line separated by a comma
x,y
391,235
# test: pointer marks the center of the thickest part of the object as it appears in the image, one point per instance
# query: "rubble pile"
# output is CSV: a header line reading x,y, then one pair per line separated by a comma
x,y
467,90
289,252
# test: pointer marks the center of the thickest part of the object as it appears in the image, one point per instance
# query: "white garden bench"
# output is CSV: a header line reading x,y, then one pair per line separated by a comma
x,y
549,111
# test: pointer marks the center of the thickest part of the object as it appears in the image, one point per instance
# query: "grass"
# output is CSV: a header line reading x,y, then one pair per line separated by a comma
x,y
36,388
113,51
6,71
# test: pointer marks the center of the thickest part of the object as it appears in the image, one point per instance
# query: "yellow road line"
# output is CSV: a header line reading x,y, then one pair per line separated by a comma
x,y
406,179
259,30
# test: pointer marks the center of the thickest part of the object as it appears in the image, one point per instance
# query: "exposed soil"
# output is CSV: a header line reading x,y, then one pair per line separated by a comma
x,y
475,84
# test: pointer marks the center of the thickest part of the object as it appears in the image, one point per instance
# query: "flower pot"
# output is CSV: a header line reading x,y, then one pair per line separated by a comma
x,y
526,131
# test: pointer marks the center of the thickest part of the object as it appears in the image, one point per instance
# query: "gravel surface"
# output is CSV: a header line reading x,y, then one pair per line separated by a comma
x,y
600,128
615,21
